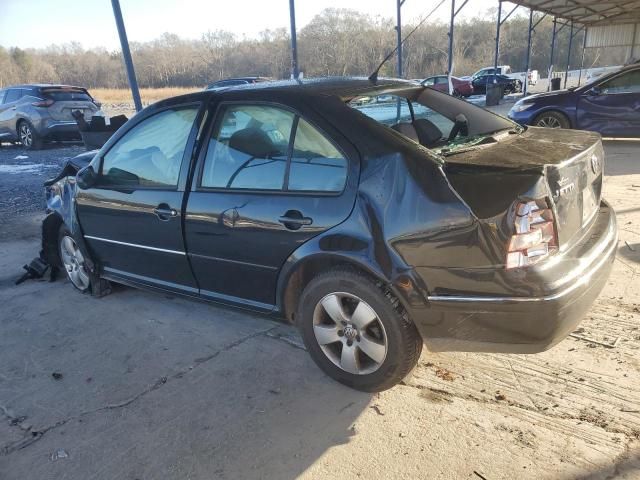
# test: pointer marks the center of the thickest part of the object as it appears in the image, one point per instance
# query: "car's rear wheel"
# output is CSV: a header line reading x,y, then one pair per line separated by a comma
x,y
552,119
28,136
356,331
73,261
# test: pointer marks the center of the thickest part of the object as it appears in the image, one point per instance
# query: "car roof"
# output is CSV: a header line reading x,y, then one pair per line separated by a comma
x,y
44,85
343,87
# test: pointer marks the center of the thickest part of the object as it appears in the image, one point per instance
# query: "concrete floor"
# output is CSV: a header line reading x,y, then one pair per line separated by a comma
x,y
154,386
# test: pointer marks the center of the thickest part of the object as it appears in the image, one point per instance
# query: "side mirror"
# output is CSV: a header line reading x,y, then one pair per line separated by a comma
x,y
86,177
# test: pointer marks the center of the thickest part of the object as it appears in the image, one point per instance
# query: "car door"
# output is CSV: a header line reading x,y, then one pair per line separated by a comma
x,y
267,182
131,219
613,107
8,112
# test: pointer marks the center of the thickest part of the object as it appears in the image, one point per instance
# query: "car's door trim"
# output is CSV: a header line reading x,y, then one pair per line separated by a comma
x,y
156,249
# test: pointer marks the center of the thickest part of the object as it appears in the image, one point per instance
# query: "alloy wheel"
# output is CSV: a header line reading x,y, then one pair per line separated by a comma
x,y
549,122
26,135
350,333
74,263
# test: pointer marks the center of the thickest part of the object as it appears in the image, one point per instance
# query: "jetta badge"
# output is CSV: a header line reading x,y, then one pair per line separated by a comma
x,y
564,187
595,163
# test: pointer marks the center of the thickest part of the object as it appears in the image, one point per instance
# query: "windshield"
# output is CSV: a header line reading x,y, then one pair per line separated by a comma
x,y
434,119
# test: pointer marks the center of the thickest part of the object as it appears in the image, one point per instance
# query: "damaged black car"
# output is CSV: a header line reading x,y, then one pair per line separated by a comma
x,y
378,216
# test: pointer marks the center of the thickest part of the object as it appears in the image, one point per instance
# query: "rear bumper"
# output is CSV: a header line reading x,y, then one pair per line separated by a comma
x,y
60,129
526,324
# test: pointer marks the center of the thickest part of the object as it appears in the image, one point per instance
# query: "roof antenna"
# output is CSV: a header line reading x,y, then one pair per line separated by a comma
x,y
373,78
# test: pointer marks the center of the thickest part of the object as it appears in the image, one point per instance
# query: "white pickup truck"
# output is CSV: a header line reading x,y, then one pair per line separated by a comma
x,y
506,70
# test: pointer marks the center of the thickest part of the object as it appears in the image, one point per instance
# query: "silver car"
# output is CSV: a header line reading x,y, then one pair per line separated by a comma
x,y
33,114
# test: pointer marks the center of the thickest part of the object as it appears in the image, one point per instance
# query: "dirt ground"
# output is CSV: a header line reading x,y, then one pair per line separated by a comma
x,y
151,386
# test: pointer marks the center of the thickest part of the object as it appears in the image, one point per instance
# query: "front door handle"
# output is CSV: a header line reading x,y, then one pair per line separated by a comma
x,y
164,212
294,220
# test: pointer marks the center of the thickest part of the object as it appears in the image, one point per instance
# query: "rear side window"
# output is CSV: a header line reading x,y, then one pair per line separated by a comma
x,y
67,95
150,154
261,147
316,164
13,95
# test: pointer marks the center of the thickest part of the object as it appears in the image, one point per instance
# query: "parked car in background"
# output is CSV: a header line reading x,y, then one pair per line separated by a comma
x,y
234,82
34,114
509,85
532,76
461,88
610,105
374,227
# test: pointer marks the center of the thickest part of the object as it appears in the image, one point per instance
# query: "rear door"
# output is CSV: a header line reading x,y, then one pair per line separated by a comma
x,y
615,109
8,111
267,182
132,218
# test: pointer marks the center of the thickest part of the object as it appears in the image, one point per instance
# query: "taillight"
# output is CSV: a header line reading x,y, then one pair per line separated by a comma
x,y
43,103
535,238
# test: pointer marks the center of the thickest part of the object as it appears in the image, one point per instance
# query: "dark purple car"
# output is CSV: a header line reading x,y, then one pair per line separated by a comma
x,y
609,105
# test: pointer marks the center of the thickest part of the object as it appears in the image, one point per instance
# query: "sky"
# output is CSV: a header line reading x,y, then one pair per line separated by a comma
x,y
39,23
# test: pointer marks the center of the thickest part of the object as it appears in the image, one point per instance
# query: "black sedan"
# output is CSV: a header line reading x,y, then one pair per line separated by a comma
x,y
509,85
375,227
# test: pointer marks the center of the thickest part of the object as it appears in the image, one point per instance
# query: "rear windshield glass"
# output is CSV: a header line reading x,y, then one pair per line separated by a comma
x,y
67,95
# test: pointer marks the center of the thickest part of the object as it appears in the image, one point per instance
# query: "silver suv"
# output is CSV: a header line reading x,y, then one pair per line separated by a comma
x,y
34,114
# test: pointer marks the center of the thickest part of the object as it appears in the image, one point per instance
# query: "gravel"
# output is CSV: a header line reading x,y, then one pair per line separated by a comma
x,y
22,173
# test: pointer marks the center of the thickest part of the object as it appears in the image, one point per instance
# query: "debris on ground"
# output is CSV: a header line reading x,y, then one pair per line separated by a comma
x,y
445,374
592,341
36,269
59,454
500,396
377,409
56,375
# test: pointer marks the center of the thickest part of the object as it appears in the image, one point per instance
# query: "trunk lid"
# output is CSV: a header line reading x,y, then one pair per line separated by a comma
x,y
67,100
564,166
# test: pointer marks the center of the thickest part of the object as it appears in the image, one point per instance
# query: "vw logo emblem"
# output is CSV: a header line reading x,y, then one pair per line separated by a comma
x,y
595,163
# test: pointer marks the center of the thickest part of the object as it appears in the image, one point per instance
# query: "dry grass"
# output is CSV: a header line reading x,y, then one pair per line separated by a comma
x,y
149,95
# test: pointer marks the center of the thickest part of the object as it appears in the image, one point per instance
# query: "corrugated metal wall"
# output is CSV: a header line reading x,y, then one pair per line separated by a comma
x,y
616,36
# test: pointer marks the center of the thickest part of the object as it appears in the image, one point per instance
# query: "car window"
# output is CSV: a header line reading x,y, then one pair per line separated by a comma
x,y
316,164
150,154
430,81
441,80
626,83
13,95
249,148
3,93
67,95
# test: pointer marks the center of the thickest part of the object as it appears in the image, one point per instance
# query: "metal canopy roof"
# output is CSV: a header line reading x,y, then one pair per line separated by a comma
x,y
588,12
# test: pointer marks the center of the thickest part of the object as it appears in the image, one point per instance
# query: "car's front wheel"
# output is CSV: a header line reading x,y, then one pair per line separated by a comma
x,y
29,138
356,331
551,119
73,261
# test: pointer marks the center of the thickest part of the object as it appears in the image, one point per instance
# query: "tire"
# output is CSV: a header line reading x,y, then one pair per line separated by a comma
x,y
552,119
29,138
373,322
72,260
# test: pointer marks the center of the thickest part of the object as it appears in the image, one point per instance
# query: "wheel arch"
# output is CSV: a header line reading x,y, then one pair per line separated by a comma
x,y
297,274
554,109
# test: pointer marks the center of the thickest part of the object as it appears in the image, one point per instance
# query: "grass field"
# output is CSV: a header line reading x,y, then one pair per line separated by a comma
x,y
149,95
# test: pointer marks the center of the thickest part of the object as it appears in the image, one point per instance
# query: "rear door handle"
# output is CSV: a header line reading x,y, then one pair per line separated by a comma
x,y
164,212
293,220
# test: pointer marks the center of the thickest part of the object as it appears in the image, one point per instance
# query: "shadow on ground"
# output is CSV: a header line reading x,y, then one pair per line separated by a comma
x,y
149,386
